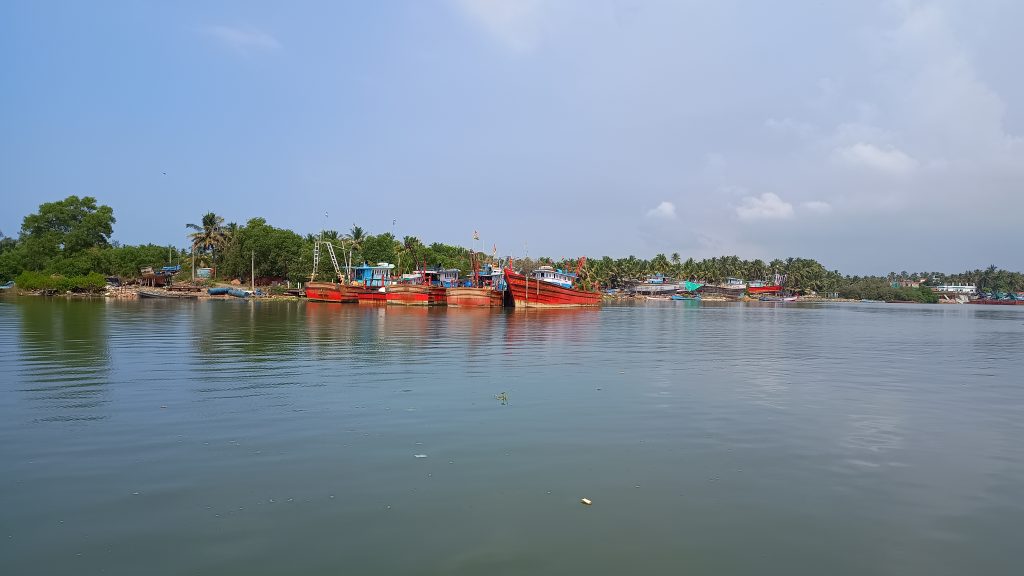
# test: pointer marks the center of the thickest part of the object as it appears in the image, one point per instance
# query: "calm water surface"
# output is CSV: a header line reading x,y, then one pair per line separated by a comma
x,y
282,438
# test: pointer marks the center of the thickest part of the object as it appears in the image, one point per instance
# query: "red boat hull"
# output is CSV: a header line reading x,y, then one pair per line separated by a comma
x,y
371,295
475,297
416,295
764,289
329,292
530,293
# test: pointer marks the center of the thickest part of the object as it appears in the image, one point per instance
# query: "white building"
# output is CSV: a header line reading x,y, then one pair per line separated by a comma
x,y
956,288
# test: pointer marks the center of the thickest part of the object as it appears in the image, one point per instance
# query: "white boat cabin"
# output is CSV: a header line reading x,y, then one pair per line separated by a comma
x,y
553,276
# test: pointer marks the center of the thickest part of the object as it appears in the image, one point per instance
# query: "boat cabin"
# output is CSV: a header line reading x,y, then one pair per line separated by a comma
x,y
372,276
554,276
490,276
443,277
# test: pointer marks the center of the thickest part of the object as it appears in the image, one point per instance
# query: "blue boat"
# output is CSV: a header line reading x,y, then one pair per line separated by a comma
x,y
219,291
7,286
681,297
239,293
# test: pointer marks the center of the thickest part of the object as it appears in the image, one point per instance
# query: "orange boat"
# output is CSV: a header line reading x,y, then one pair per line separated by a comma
x,y
548,287
485,289
423,288
469,297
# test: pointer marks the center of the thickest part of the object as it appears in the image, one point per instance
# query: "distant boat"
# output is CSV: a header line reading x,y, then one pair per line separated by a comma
x,y
682,297
869,301
764,289
777,298
548,287
7,285
656,284
166,295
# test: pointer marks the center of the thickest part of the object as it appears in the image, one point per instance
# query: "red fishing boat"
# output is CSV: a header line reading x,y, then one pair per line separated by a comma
x,y
365,285
470,297
329,292
486,289
548,287
423,288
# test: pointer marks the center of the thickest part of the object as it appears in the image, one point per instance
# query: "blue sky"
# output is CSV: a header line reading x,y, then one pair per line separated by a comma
x,y
873,135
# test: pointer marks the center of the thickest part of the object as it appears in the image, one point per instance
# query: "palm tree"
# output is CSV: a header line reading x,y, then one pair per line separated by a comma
x,y
355,237
208,236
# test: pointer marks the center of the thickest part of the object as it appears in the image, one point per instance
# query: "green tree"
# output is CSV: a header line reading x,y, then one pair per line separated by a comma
x,y
63,229
209,236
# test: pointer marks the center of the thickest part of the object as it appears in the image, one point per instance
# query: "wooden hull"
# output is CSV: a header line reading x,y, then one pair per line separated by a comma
x,y
416,295
475,297
329,292
529,293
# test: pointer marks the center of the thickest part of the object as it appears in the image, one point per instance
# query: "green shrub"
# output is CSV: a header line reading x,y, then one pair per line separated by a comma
x,y
92,282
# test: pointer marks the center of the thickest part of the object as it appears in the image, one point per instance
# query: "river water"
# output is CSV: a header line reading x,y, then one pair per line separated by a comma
x,y
225,438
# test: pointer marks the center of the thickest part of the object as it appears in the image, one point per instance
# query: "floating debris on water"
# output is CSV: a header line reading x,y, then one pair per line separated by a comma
x,y
419,455
586,501
503,398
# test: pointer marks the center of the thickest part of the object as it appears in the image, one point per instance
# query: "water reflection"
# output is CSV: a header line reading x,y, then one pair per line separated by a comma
x,y
65,358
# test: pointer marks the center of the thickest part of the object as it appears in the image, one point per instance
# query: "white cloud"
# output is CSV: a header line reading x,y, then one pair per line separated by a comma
x,y
816,206
513,23
664,211
243,40
890,159
767,206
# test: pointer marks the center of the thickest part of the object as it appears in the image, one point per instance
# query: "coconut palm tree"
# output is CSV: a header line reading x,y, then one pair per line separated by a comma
x,y
209,236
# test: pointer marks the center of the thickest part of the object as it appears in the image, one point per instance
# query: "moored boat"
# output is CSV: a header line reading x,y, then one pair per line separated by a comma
x,y
423,288
775,288
777,298
7,285
485,289
166,295
685,297
547,287
469,296
366,285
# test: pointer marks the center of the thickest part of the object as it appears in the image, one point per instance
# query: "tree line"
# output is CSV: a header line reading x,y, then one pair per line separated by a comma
x,y
69,240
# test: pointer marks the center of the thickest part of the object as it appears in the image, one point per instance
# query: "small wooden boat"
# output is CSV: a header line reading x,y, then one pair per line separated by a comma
x,y
167,295
777,299
685,298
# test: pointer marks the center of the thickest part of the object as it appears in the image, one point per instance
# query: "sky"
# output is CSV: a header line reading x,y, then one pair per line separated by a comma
x,y
872,135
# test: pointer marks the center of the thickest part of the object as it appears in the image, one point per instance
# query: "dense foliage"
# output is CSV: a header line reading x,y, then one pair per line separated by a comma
x,y
66,246
92,282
